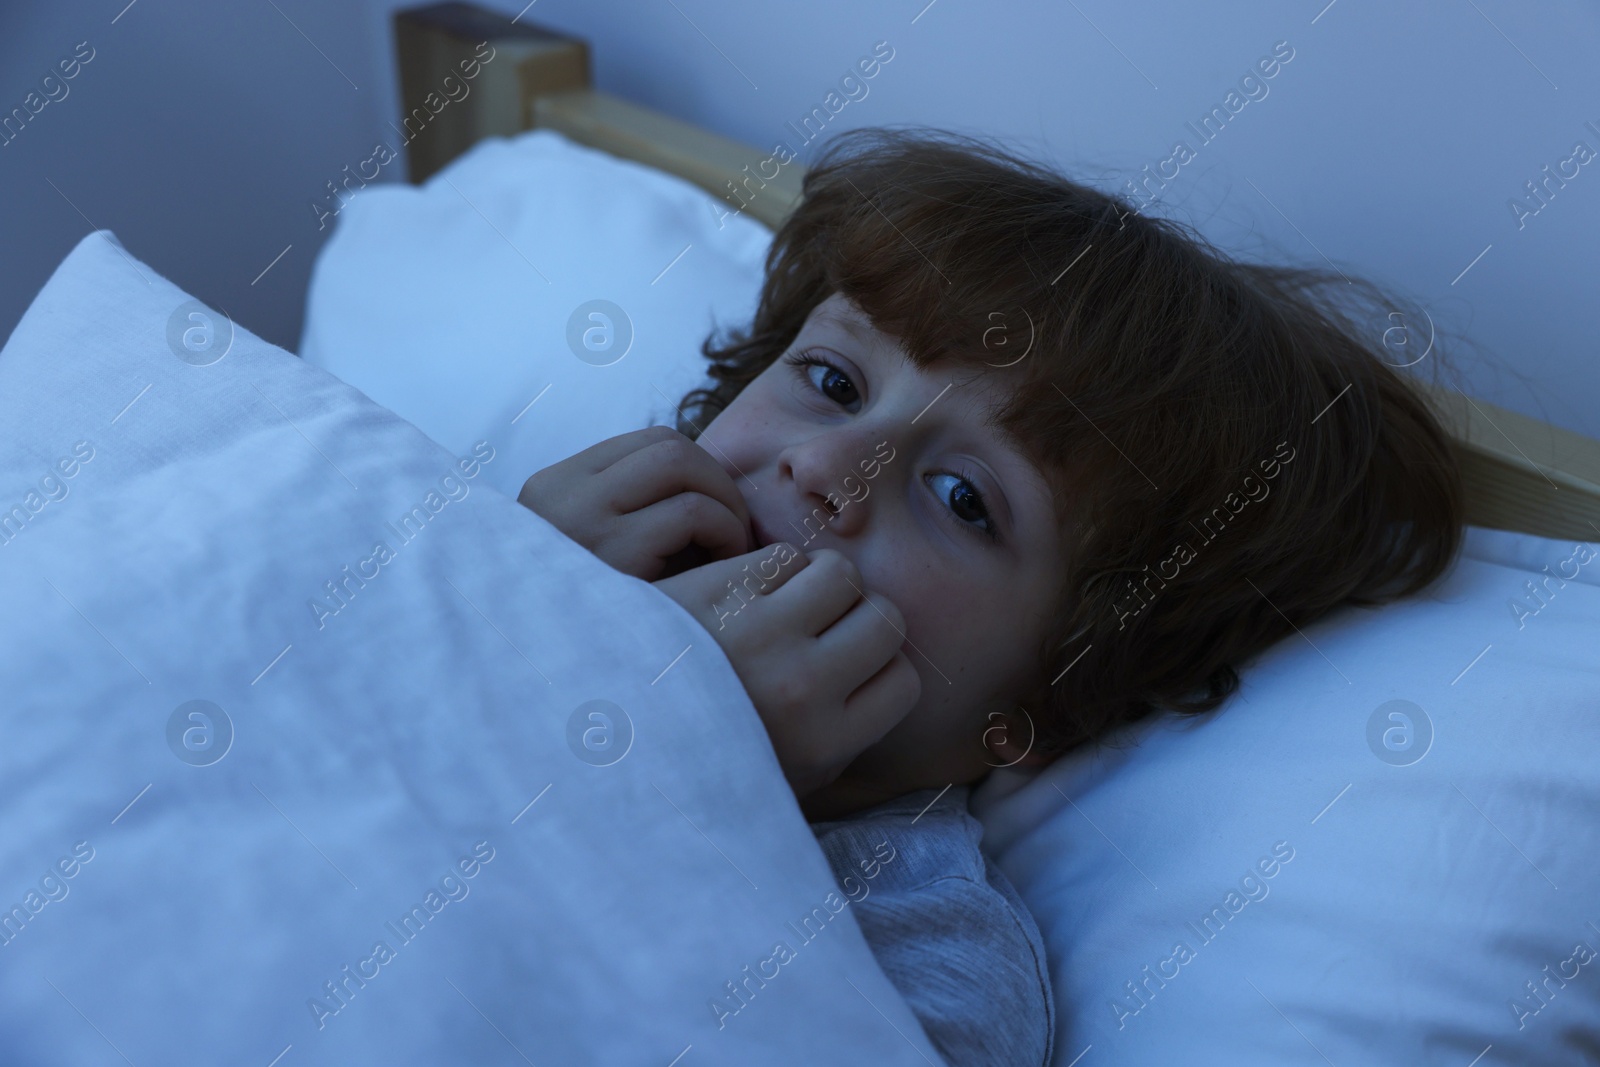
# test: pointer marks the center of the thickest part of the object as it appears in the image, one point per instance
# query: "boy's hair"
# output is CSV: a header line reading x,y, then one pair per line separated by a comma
x,y
1229,458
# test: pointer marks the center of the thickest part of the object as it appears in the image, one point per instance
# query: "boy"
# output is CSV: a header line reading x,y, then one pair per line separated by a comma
x,y
998,468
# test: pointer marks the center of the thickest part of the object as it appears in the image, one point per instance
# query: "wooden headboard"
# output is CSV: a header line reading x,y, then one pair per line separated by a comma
x,y
1520,473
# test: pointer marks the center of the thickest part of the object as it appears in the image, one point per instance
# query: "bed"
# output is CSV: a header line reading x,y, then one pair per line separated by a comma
x,y
276,795
1422,763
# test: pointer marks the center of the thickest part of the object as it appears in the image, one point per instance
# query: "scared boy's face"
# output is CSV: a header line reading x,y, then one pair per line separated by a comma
x,y
894,467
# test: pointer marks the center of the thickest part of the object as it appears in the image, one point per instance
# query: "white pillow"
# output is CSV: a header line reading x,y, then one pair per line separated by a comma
x,y
453,304
1387,886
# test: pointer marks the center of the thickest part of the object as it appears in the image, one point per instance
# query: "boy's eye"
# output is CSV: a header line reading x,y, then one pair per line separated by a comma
x,y
965,502
831,382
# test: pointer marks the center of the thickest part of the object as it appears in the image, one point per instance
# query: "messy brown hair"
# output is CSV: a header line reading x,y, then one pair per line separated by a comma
x,y
1161,378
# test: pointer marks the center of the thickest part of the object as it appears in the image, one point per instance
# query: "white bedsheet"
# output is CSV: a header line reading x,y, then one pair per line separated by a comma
x,y
420,738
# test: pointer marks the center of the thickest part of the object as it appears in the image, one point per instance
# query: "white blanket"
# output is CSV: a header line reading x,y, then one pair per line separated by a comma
x,y
393,830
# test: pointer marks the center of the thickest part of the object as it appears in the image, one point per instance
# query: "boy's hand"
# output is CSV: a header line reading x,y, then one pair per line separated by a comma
x,y
649,503
821,662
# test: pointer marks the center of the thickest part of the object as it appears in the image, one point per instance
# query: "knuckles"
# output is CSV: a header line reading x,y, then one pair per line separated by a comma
x,y
783,559
693,506
912,679
662,433
791,691
835,562
673,448
890,612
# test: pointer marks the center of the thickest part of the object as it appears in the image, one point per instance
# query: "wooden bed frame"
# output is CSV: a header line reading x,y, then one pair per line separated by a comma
x,y
1520,473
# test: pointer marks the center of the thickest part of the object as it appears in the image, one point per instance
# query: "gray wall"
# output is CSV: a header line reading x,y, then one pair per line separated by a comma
x,y
199,133
1392,143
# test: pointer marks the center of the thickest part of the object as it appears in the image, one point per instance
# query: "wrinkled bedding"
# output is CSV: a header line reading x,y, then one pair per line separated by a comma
x,y
318,747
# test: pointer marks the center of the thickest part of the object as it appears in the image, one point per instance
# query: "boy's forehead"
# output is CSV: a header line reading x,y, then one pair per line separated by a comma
x,y
840,311
844,314
989,391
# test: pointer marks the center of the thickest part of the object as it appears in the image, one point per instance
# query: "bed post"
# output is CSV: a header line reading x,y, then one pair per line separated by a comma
x,y
541,79
452,40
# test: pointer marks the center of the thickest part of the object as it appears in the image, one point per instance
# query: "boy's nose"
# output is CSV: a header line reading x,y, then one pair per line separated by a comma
x,y
819,468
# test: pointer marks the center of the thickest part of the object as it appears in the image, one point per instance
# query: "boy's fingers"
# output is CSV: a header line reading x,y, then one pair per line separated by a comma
x,y
883,700
665,468
857,646
703,588
763,571
776,564
597,457
672,525
823,592
591,461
